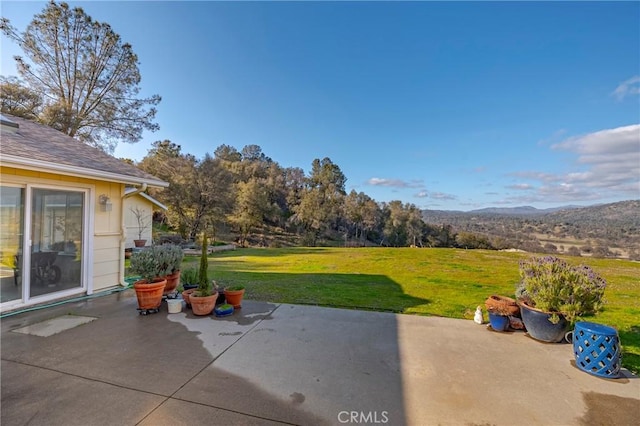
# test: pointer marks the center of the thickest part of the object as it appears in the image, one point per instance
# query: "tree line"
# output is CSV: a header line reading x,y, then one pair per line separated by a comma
x,y
247,192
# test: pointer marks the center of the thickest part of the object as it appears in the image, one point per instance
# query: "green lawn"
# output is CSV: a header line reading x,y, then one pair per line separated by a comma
x,y
443,282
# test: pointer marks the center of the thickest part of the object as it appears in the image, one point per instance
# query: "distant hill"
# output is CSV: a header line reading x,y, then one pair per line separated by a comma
x,y
605,230
521,211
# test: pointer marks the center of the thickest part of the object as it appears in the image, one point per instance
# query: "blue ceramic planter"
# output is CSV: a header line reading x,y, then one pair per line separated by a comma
x,y
539,327
498,322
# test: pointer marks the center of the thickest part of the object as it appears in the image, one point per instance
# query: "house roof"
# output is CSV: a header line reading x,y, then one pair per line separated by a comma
x,y
28,145
146,196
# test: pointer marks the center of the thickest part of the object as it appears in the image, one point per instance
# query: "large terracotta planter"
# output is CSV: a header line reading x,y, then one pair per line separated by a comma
x,y
149,294
203,305
538,325
234,297
173,280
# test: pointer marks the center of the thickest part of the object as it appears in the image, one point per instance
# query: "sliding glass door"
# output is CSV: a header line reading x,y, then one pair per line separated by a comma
x,y
56,240
49,259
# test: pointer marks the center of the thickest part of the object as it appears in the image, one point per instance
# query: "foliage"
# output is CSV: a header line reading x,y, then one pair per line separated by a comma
x,y
200,191
169,257
189,276
146,264
86,77
552,285
258,200
321,198
234,288
204,285
18,100
224,307
250,207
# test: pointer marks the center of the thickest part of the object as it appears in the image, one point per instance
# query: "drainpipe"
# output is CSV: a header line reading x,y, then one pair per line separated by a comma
x,y
123,232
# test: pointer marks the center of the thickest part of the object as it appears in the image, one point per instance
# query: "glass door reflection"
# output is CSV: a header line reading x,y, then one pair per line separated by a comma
x,y
56,238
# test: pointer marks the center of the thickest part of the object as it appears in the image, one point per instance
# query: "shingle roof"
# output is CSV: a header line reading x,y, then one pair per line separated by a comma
x,y
40,147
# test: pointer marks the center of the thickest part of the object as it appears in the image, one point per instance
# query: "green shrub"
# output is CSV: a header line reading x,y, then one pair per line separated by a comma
x,y
145,263
189,276
170,257
552,285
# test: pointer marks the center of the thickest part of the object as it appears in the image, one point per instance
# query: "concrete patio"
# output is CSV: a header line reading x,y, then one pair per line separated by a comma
x,y
289,364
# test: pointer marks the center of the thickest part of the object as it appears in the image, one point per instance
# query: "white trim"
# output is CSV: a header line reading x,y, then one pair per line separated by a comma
x,y
45,166
88,237
25,268
88,211
147,197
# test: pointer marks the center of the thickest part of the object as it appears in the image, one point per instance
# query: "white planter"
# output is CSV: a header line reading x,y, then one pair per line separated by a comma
x,y
175,305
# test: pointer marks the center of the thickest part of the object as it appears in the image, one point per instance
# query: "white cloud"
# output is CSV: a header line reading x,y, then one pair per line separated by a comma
x,y
442,196
607,166
521,186
395,183
627,88
421,194
611,158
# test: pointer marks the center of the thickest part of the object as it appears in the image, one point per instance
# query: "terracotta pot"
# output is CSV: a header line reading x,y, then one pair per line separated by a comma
x,y
139,243
172,282
502,305
149,294
203,305
234,297
186,298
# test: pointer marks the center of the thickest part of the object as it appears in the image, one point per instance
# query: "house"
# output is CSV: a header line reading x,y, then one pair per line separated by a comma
x,y
138,215
63,223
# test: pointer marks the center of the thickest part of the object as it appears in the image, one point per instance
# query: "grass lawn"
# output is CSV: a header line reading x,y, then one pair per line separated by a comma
x,y
442,282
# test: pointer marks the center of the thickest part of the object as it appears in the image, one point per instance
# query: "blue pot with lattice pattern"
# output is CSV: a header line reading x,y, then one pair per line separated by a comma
x,y
597,349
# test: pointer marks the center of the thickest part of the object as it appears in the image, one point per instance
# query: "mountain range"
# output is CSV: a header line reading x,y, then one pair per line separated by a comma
x,y
605,230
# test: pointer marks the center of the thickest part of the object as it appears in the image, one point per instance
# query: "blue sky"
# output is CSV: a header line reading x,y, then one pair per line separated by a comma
x,y
447,105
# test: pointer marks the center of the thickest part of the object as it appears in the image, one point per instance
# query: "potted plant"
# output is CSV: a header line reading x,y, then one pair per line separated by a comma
x,y
223,310
221,297
500,308
170,258
203,300
189,279
150,288
143,225
553,295
234,294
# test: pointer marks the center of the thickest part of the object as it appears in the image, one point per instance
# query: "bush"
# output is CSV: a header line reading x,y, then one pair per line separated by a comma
x,y
145,263
170,257
189,276
552,285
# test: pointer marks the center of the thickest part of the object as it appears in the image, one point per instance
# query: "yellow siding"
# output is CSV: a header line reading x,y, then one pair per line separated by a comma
x,y
131,222
107,225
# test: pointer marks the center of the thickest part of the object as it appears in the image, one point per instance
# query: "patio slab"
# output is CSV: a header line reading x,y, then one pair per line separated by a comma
x,y
290,364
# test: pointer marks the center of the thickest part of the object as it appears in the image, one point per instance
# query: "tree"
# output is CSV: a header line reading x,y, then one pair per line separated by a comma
x,y
321,199
18,100
361,213
252,202
86,77
200,191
